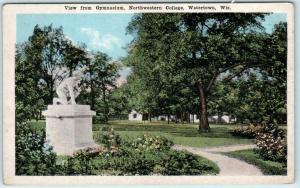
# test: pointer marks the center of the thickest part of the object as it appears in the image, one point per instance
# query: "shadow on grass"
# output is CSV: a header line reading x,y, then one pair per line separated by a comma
x,y
180,130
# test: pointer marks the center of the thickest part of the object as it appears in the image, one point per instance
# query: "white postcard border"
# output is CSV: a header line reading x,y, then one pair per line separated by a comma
x,y
9,39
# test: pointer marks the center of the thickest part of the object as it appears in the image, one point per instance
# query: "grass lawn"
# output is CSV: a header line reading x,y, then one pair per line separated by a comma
x,y
267,167
184,134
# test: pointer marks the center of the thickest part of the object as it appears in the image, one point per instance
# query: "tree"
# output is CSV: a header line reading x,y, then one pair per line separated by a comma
x,y
206,46
100,79
119,102
50,43
28,94
41,63
74,56
268,82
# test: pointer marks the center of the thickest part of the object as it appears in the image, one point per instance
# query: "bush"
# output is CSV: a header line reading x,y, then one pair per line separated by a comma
x,y
184,163
150,162
110,140
148,155
145,155
138,163
271,143
247,132
33,156
150,142
129,162
270,140
81,163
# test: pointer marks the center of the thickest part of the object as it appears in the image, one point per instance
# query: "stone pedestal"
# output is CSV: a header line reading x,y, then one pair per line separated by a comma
x,y
69,128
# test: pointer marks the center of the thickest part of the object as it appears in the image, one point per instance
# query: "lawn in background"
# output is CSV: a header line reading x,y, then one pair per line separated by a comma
x,y
267,167
184,134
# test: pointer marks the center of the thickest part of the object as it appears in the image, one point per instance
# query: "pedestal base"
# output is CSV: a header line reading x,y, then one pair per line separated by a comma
x,y
69,128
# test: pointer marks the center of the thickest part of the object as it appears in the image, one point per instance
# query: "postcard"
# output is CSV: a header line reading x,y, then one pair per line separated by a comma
x,y
148,93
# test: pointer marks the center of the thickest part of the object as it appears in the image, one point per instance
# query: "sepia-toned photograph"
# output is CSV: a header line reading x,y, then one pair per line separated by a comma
x,y
150,90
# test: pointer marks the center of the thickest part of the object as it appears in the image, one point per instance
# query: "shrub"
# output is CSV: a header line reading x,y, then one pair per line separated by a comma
x,y
117,157
139,163
33,156
81,163
184,163
129,162
110,140
150,162
151,142
270,140
271,143
247,132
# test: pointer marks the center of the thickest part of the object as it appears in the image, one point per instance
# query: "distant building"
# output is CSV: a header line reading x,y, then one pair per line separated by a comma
x,y
221,119
164,118
135,116
194,118
214,119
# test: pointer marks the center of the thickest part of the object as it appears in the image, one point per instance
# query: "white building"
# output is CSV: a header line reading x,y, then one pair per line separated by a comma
x,y
221,119
194,118
164,118
214,119
135,116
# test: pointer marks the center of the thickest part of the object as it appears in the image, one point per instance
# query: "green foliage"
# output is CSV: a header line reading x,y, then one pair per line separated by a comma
x,y
133,162
41,63
119,106
151,142
99,81
184,163
270,140
81,163
272,144
46,59
250,131
268,83
110,140
127,158
149,162
177,59
148,154
33,156
266,166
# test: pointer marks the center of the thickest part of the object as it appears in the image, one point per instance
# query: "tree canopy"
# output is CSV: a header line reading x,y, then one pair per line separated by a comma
x,y
177,58
181,64
46,58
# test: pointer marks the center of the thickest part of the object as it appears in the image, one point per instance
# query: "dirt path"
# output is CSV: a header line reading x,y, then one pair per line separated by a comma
x,y
228,166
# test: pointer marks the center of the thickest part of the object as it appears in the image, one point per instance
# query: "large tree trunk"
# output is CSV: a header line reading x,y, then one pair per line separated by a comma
x,y
150,116
203,120
188,116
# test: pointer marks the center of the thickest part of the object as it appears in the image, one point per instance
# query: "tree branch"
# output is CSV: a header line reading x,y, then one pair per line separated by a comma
x,y
232,66
211,82
236,74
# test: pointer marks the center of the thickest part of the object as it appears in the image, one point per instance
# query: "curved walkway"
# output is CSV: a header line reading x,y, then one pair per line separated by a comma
x,y
228,166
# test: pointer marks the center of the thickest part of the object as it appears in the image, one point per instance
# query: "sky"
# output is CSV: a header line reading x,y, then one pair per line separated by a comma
x,y
104,32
